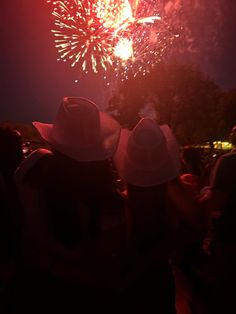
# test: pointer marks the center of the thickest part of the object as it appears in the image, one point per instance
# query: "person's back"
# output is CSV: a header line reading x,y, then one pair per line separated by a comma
x,y
220,241
147,159
223,181
11,156
10,212
75,196
148,214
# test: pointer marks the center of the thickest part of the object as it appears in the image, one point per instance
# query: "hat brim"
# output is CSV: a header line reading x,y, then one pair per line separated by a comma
x,y
102,150
144,177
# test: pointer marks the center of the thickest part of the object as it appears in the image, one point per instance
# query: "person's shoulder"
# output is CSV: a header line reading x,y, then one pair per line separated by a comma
x,y
230,155
223,173
31,164
227,160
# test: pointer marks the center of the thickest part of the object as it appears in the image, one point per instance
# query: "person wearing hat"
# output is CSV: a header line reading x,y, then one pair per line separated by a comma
x,y
161,215
147,159
68,192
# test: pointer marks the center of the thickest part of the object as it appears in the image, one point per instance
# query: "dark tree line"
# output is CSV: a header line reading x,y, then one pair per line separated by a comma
x,y
183,97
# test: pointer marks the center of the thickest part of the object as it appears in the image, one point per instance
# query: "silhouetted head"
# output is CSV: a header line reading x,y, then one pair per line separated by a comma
x,y
81,131
148,155
232,136
11,153
191,158
190,154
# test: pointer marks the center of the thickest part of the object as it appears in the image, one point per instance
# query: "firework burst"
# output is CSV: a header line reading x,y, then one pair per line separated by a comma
x,y
129,37
150,34
83,34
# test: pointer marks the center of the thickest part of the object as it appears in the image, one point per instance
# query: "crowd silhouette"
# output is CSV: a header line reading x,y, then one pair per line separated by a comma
x,y
108,219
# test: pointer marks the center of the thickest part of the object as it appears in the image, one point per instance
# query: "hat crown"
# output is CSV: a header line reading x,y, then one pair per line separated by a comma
x,y
148,155
147,144
81,131
77,119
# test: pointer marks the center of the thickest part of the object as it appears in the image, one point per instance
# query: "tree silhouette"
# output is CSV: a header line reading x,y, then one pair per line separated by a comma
x,y
182,96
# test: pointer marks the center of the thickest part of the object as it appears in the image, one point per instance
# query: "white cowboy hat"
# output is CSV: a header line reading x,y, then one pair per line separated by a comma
x,y
81,131
148,155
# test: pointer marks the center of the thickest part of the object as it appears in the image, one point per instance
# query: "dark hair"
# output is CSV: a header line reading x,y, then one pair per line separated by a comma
x,y
74,195
147,205
192,159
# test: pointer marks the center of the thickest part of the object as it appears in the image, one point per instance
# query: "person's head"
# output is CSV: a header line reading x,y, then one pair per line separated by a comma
x,y
82,138
191,158
232,136
148,155
11,151
80,131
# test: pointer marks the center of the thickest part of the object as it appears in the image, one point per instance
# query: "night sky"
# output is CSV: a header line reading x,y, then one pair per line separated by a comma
x,y
33,82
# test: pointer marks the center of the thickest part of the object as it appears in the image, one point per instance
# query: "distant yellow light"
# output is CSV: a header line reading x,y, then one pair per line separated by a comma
x,y
217,145
222,145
